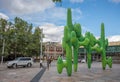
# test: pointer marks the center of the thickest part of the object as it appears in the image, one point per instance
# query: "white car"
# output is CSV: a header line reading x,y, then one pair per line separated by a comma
x,y
20,61
83,61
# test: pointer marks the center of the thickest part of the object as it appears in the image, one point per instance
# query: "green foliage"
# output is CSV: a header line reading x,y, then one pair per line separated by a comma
x,y
3,35
19,38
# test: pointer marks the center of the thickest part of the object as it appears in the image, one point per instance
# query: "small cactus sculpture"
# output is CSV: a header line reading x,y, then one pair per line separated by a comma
x,y
73,39
90,44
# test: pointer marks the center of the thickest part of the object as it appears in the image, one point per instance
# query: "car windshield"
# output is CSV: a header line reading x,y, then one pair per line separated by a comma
x,y
17,58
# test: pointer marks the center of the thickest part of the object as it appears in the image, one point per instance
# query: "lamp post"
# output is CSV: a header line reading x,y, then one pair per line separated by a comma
x,y
49,49
41,43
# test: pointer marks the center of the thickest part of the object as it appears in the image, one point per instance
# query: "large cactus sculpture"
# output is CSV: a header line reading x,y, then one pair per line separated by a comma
x,y
101,48
73,39
77,40
67,47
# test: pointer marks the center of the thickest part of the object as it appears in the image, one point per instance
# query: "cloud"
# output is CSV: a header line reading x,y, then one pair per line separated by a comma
x,y
52,32
76,14
85,29
26,6
115,1
56,15
77,1
38,12
114,38
4,16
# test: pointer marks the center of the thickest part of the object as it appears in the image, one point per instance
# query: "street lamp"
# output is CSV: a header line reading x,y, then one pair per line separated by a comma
x,y
41,43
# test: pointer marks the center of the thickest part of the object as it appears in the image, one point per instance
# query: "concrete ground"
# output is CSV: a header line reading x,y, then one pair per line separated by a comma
x,y
95,74
18,75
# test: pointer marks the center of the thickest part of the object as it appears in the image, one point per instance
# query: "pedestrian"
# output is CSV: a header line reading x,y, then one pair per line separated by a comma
x,y
48,63
41,65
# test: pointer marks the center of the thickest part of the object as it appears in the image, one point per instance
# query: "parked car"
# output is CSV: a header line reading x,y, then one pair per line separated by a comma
x,y
83,61
20,61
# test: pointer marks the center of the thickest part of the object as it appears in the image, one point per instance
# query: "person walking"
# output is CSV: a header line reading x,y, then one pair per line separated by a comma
x,y
41,65
48,63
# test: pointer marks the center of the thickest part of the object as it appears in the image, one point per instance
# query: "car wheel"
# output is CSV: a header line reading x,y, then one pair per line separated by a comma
x,y
29,65
24,66
14,65
8,66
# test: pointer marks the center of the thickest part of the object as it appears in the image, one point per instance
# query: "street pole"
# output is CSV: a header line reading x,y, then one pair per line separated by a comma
x,y
41,43
85,55
49,50
55,51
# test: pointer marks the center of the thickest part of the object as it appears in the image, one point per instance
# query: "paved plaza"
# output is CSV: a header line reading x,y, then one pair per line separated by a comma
x,y
18,75
95,74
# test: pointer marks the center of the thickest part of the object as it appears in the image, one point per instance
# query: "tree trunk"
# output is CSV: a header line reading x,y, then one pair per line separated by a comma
x,y
3,51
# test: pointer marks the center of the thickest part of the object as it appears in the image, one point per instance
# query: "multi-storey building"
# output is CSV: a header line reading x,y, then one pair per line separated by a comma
x,y
112,50
53,49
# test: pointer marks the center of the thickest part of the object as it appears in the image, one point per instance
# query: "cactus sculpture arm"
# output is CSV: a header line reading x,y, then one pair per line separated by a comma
x,y
75,42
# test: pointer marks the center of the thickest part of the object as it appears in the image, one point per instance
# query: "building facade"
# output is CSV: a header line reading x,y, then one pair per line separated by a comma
x,y
53,49
113,50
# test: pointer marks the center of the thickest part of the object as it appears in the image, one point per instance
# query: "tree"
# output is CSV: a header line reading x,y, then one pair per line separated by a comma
x,y
36,41
22,36
3,37
19,39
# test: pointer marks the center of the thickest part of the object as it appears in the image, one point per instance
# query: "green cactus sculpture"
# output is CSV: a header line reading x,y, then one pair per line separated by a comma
x,y
88,47
67,46
73,39
102,44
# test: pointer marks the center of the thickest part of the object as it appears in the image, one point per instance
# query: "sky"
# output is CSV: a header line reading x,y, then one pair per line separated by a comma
x,y
52,16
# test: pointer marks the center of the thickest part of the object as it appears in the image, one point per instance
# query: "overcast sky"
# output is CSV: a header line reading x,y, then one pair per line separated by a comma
x,y
52,16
